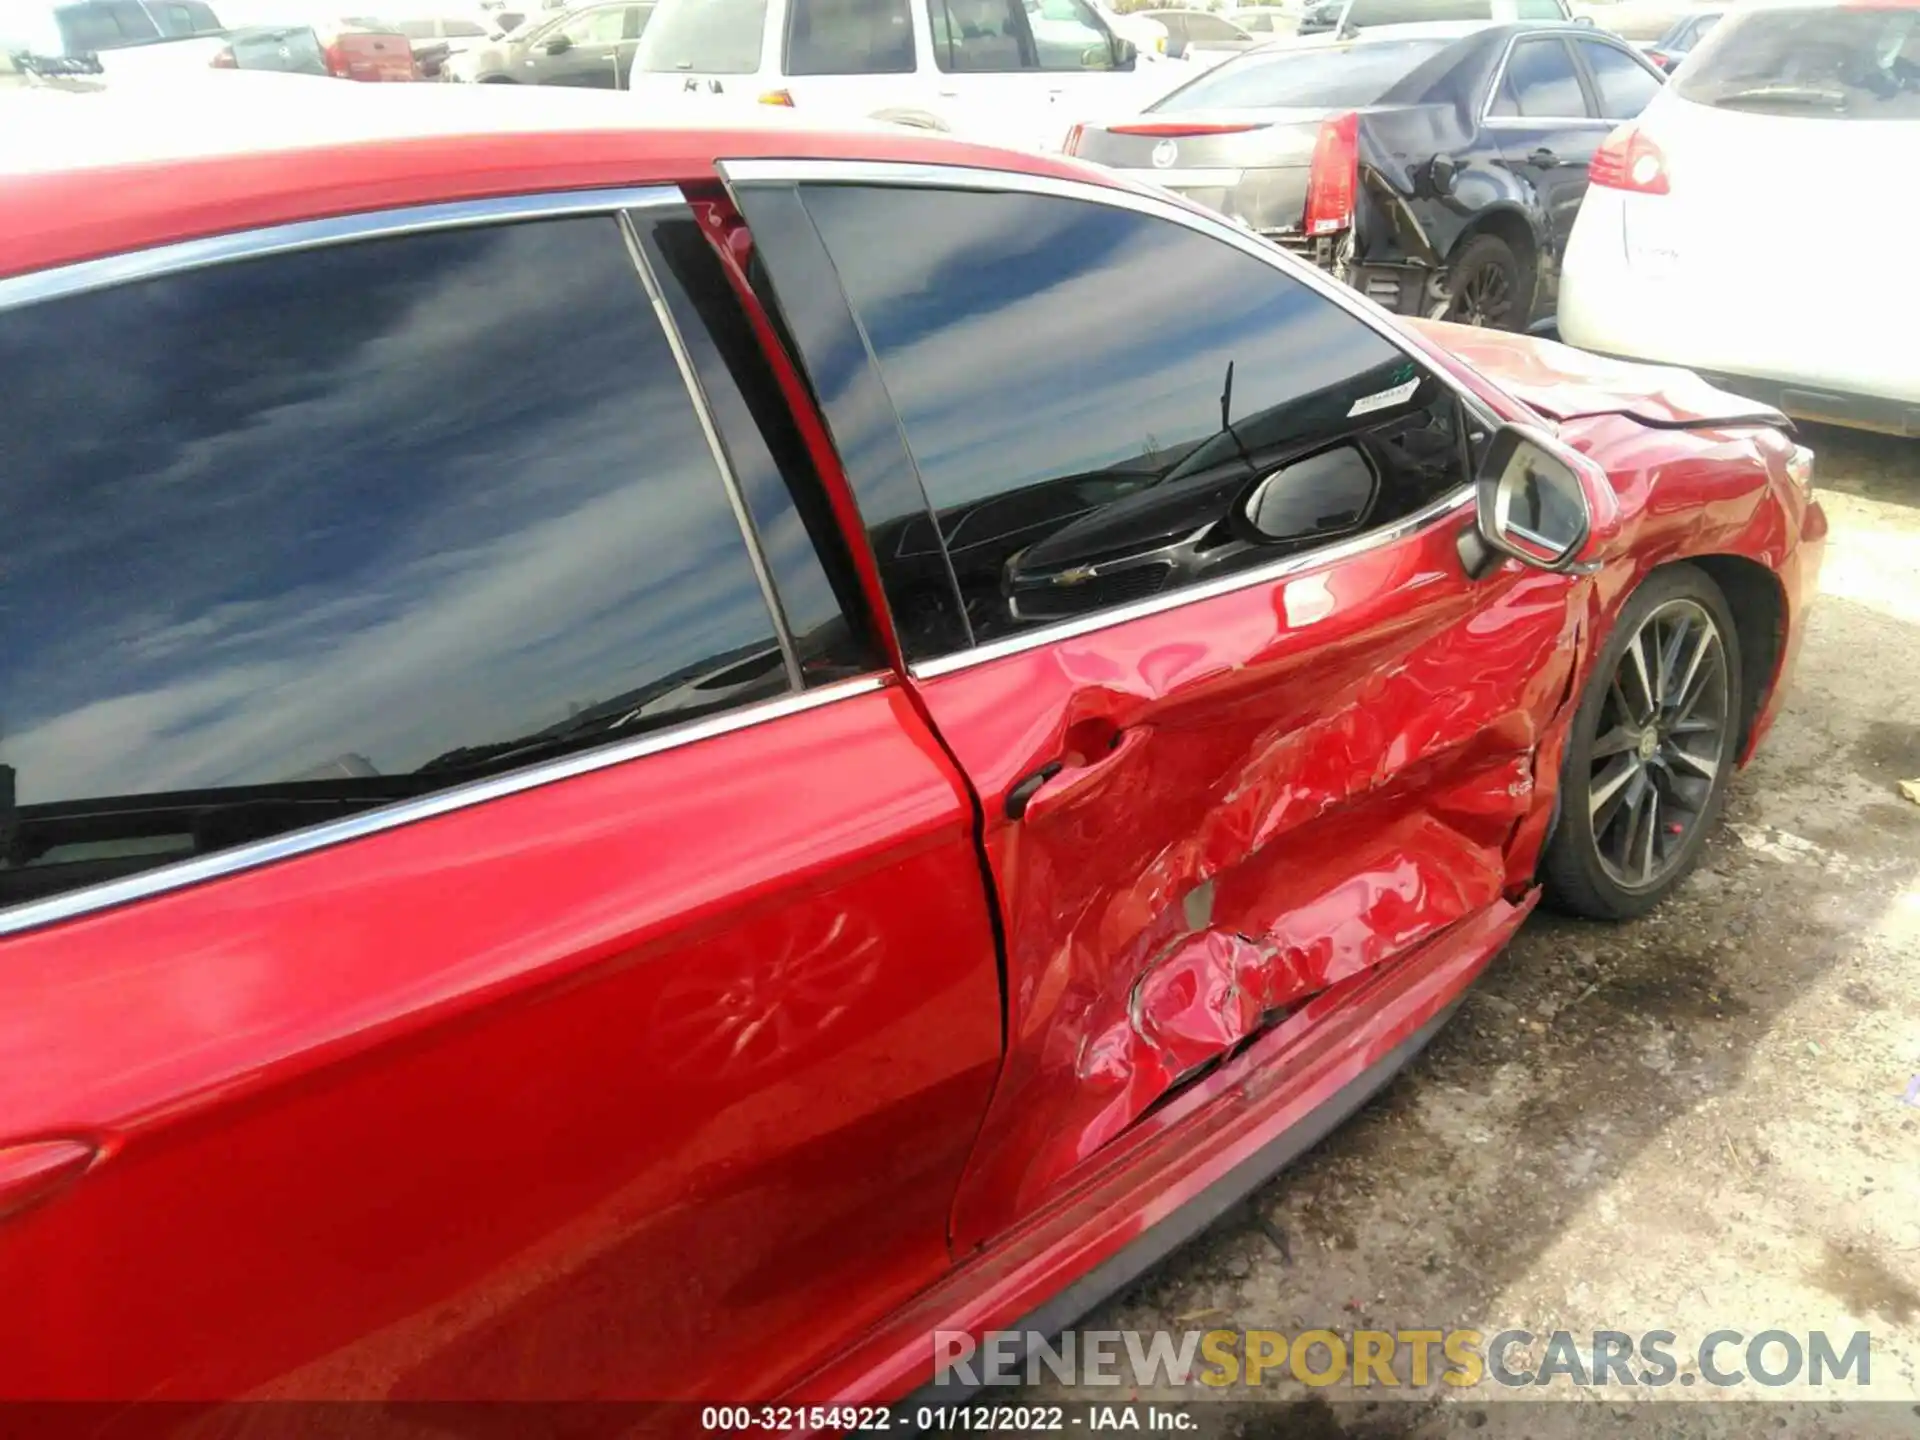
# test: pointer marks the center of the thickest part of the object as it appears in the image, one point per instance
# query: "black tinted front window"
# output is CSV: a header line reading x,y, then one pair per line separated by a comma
x,y
1859,64
1081,451
293,537
1336,75
714,37
849,37
1541,81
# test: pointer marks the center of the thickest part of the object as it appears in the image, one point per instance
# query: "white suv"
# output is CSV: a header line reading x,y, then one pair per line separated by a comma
x,y
1010,72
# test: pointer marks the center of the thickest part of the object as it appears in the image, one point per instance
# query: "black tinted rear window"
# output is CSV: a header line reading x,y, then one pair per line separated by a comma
x,y
707,37
1833,63
344,528
1345,75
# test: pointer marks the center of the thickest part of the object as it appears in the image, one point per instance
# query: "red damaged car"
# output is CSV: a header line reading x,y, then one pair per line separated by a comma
x,y
655,763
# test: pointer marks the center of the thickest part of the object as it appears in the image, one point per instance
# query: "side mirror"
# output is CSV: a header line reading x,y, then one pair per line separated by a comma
x,y
1583,20
559,45
1541,503
1321,496
1125,53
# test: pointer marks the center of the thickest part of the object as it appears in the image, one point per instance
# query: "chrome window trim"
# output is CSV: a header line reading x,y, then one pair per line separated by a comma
x,y
124,268
160,880
84,276
957,177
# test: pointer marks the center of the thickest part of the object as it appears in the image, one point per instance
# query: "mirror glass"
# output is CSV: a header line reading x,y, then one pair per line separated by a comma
x,y
1322,495
1530,503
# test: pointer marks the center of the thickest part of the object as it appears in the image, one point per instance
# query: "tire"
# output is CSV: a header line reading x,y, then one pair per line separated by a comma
x,y
1608,859
1485,261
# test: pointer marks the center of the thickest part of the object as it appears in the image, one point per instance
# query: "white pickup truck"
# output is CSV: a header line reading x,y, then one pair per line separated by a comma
x,y
145,39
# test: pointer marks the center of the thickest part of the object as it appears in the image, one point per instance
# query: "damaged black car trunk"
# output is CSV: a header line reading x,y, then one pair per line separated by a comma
x,y
1435,168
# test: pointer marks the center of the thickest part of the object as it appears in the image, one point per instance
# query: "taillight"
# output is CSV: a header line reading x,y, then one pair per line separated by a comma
x,y
777,97
223,59
1334,177
1628,160
1072,147
337,61
1176,129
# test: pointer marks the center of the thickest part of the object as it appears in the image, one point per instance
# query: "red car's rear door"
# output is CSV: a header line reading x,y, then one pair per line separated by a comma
x,y
1233,744
477,919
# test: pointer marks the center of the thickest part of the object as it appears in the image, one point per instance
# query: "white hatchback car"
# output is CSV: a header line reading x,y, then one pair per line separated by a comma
x,y
1716,230
1019,73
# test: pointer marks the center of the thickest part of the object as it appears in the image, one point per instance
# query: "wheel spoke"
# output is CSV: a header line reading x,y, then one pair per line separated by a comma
x,y
1694,659
1617,741
1664,652
1706,767
1638,655
1692,727
1690,701
1650,829
1605,794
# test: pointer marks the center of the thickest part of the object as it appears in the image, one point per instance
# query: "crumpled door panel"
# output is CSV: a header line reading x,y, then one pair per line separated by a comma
x,y
1303,780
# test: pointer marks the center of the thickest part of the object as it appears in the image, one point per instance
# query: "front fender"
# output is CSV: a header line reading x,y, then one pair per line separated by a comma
x,y
1722,498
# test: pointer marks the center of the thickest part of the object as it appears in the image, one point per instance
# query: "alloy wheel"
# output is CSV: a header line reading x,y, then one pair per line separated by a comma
x,y
1484,298
1664,734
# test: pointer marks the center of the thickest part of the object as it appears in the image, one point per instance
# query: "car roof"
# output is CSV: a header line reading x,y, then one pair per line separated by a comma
x,y
87,175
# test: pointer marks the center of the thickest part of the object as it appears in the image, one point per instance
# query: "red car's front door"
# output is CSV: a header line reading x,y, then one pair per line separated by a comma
x,y
476,918
1236,739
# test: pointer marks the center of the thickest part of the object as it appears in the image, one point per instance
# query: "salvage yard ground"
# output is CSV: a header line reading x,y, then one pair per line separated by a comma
x,y
1693,1122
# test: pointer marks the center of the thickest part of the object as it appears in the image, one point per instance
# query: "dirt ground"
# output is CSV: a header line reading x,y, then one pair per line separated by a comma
x,y
1693,1122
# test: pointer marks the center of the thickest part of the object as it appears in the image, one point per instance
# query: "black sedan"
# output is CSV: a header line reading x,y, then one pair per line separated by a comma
x,y
1436,168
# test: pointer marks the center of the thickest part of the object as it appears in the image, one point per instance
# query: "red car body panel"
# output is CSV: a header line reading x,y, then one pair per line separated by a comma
x,y
1178,1156
521,1101
513,1103
1310,778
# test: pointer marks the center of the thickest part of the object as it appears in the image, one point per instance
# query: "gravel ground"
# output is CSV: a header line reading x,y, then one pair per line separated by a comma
x,y
1691,1122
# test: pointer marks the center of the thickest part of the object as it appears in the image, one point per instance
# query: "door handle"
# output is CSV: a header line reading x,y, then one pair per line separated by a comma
x,y
1025,788
1544,158
1093,746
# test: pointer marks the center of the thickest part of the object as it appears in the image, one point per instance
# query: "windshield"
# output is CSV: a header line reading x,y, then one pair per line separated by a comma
x,y
712,37
1860,64
1339,76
